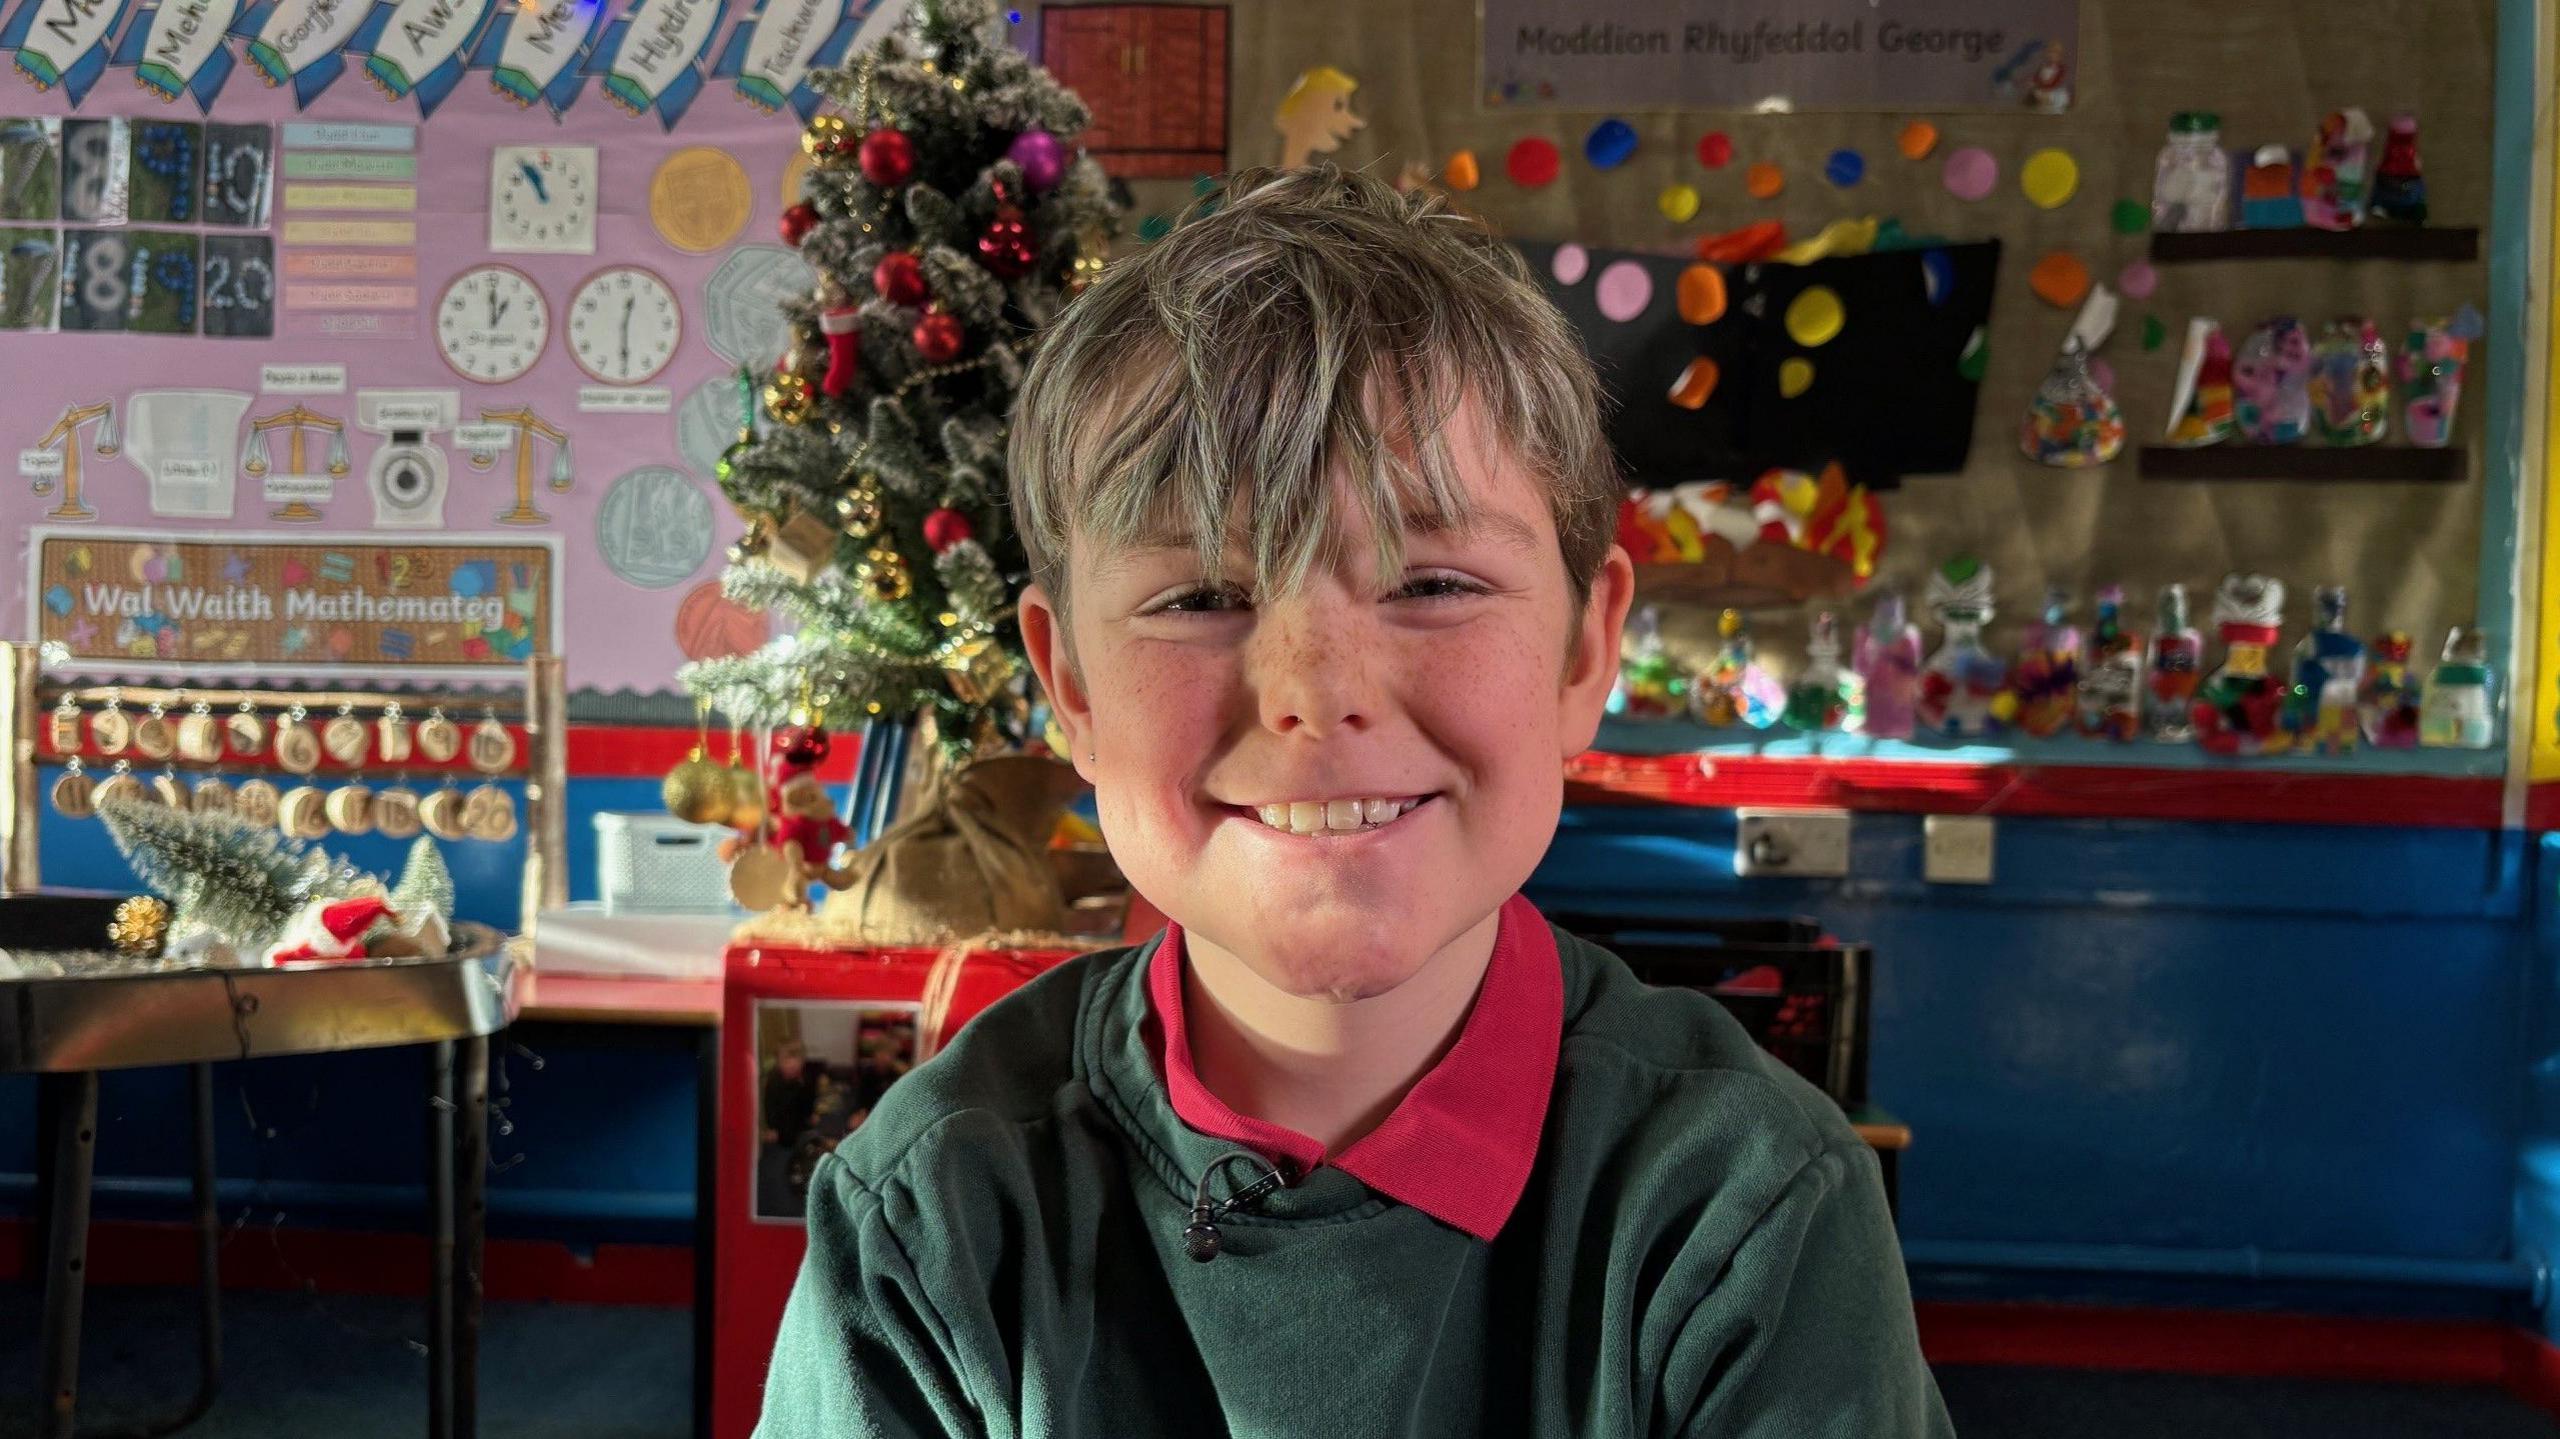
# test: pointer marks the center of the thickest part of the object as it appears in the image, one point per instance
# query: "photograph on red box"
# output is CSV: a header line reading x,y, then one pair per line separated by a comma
x,y
822,1066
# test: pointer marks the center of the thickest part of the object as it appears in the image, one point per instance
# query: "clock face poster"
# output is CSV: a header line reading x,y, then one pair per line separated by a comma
x,y
351,279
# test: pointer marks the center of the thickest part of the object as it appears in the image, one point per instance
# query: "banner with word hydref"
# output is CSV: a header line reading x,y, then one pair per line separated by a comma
x,y
1796,54
464,606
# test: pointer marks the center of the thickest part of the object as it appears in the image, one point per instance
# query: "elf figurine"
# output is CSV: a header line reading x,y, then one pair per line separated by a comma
x,y
2110,697
2387,701
1964,689
836,315
2176,667
331,931
1888,665
1819,699
2047,678
2328,668
2239,711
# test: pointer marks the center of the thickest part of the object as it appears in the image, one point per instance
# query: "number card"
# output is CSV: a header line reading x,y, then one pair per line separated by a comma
x,y
30,278
141,280
30,169
239,175
167,172
97,164
240,286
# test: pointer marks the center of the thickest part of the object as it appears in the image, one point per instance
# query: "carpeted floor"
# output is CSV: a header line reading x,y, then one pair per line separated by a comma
x,y
338,1367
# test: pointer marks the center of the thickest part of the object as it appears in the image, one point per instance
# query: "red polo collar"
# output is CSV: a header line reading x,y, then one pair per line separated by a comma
x,y
1460,1146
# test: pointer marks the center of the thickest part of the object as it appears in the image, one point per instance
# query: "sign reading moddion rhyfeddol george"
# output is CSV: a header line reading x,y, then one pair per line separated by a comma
x,y
1793,54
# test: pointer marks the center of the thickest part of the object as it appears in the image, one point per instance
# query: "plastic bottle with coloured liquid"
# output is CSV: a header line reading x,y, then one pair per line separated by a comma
x,y
2176,667
2460,710
1888,665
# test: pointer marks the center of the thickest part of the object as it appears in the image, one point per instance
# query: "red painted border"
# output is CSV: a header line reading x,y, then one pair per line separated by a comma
x,y
2542,807
2223,1342
2052,791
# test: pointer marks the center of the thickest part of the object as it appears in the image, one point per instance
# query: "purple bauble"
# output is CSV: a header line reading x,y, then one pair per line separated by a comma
x,y
1040,157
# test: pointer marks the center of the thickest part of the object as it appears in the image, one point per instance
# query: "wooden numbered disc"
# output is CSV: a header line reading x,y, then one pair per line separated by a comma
x,y
350,809
439,739
746,797
493,750
64,736
345,740
75,796
393,737
303,813
200,737
395,812
247,733
111,730
760,876
171,791
297,748
212,796
156,736
489,813
255,801
442,813
118,789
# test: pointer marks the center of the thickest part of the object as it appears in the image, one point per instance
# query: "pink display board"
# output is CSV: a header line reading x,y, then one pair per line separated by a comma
x,y
461,285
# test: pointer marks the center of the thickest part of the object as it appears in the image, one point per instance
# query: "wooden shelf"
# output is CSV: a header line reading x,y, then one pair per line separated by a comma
x,y
2447,243
2365,464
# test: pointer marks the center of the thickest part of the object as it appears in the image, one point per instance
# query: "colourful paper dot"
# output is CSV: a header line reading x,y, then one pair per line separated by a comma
x,y
1917,139
1202,185
1844,168
1702,294
1715,149
2154,333
1764,181
2049,179
1610,144
1697,381
2060,280
1460,173
1623,291
1814,316
1533,162
1976,357
2138,280
1937,275
1971,173
1678,203
1571,263
1795,376
2131,217
1155,227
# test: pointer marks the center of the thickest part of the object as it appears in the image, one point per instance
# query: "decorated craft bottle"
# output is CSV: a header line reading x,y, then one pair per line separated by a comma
x,y
2460,709
2387,701
2328,669
2110,696
2191,183
1964,688
1649,685
2240,710
1819,698
2047,678
1888,665
1735,686
2177,666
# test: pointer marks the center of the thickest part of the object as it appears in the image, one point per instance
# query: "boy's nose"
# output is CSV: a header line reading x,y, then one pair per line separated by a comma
x,y
1313,680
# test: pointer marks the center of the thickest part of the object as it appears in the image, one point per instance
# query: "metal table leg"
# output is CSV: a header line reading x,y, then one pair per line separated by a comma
x,y
440,1112
208,1274
471,1214
71,1102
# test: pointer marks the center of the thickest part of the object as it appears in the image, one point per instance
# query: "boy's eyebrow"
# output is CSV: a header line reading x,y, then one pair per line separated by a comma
x,y
1506,529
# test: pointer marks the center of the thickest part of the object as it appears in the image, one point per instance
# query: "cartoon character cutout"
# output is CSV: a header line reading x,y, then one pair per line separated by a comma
x,y
1315,117
2271,379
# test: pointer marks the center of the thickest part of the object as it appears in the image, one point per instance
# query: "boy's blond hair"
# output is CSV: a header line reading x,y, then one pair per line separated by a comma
x,y
1297,324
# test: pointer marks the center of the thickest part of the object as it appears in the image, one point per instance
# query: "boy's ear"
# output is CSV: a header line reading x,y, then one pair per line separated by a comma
x,y
1594,667
1045,639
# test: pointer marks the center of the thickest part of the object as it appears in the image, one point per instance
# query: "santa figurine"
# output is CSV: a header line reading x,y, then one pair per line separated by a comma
x,y
331,930
836,313
805,828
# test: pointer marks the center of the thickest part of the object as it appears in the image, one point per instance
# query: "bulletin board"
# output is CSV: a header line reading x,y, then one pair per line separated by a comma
x,y
291,286
2415,556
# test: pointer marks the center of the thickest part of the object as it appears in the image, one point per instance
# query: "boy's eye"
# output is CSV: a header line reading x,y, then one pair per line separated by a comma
x,y
1207,599
1438,587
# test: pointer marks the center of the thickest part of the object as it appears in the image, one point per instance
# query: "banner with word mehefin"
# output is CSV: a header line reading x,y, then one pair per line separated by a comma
x,y
1796,54
469,606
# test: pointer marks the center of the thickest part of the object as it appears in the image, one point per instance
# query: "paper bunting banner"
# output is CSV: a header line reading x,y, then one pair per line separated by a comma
x,y
301,42
178,50
422,46
538,52
770,55
651,57
63,42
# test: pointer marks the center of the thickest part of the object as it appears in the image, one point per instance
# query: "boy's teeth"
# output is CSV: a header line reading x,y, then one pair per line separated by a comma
x,y
1319,816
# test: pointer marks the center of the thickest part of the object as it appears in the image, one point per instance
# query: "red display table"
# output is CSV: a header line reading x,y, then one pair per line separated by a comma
x,y
808,1039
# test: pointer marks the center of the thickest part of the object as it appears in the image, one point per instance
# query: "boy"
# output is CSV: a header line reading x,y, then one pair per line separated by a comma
x,y
1320,521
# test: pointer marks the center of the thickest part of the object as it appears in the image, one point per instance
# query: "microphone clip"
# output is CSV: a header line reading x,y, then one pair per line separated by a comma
x,y
1200,1237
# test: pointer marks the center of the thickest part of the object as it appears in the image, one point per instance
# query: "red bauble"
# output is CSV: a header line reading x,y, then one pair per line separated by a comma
x,y
797,222
1006,247
899,279
888,158
805,745
945,528
938,338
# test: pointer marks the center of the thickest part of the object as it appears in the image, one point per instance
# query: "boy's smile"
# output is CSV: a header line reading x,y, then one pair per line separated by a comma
x,y
1337,784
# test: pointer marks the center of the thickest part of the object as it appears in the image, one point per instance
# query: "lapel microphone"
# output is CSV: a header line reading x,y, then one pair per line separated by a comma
x,y
1200,1237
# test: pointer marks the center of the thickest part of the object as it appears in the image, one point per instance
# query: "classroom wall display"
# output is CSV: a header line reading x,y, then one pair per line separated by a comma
x,y
389,270
269,604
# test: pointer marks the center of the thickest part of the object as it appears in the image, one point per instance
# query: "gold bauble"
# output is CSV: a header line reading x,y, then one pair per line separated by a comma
x,y
697,791
746,797
788,399
140,925
976,671
883,575
860,512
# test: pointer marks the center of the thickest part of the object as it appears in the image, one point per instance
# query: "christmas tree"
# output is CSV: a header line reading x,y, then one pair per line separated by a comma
x,y
947,217
223,874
